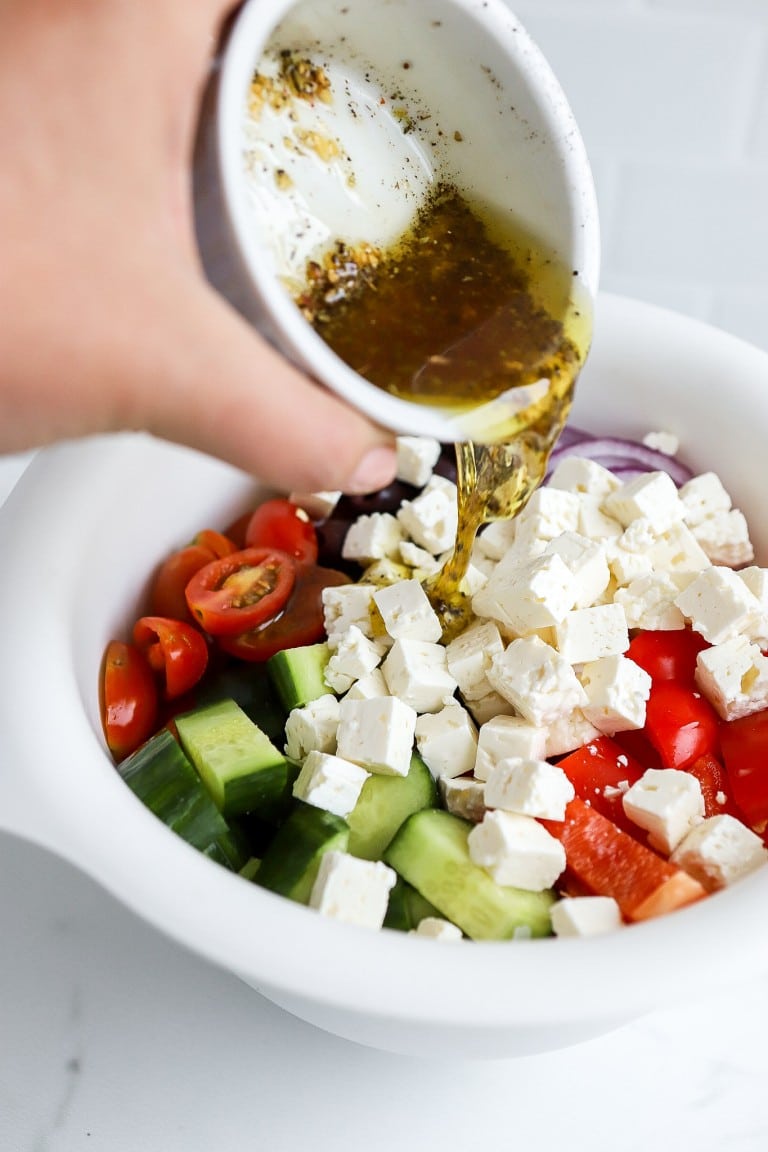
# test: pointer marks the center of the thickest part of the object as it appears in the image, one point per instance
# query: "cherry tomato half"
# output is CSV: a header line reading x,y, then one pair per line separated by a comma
x,y
302,622
174,649
129,699
216,542
167,596
241,591
281,524
745,754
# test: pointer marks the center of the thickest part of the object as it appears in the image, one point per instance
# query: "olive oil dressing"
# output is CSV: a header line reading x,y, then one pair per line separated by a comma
x,y
460,310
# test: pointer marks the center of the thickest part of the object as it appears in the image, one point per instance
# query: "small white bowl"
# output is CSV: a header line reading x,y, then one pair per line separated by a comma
x,y
80,536
485,113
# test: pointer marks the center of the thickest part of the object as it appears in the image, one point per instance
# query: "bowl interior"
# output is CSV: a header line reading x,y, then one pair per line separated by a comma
x,y
82,534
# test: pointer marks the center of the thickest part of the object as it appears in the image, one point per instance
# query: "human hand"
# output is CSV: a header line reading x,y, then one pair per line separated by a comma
x,y
106,320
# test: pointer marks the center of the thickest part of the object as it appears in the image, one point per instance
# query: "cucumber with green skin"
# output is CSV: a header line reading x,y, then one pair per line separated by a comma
x,y
407,908
298,674
384,803
162,777
430,852
290,864
238,763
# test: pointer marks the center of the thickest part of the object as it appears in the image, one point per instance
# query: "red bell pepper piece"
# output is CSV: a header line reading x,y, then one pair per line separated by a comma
x,y
597,772
604,860
744,744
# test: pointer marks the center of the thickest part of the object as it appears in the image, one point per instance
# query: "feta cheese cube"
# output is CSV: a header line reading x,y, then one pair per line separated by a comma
x,y
718,604
665,442
431,518
596,524
488,707
589,633
534,595
724,538
354,656
416,456
503,737
703,496
317,505
377,734
407,612
469,655
516,851
585,916
536,680
734,677
447,740
353,890
418,558
617,691
719,851
551,511
651,603
368,687
435,928
329,782
497,538
345,605
373,537
312,727
652,495
416,671
587,561
581,475
463,796
567,733
665,802
529,787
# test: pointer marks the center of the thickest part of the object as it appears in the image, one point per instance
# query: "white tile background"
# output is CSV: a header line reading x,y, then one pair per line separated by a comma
x,y
672,100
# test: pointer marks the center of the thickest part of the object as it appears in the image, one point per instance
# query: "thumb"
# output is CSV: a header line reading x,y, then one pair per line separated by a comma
x,y
221,388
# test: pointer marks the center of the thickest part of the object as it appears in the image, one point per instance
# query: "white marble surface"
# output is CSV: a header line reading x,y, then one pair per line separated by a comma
x,y
114,1039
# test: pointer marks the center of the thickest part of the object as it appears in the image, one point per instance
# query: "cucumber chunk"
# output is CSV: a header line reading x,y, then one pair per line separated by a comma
x,y
248,685
290,863
162,777
384,803
430,852
407,907
237,762
298,674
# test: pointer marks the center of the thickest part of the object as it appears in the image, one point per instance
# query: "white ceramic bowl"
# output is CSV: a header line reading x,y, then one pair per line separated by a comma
x,y
485,113
80,536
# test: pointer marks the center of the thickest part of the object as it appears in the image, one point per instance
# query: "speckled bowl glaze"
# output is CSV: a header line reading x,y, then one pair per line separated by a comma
x,y
483,112
80,536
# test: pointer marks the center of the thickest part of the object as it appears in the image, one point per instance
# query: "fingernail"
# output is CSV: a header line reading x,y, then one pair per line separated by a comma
x,y
375,470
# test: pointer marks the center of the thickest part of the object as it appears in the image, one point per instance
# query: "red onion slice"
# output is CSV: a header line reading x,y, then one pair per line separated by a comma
x,y
618,454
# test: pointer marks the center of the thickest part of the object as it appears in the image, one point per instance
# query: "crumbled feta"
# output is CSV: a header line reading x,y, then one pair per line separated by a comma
x,y
585,916
417,672
719,851
734,677
529,787
329,782
447,741
376,536
517,851
353,890
312,727
407,612
377,734
650,602
667,803
617,691
416,456
355,656
665,442
345,605
431,518
536,680
724,537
